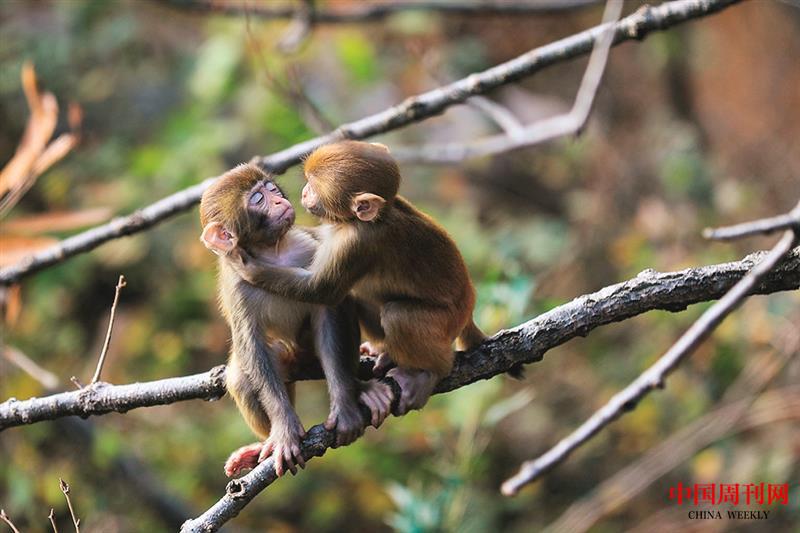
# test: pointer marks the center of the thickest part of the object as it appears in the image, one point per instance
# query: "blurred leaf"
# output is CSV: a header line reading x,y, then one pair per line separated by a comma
x,y
55,221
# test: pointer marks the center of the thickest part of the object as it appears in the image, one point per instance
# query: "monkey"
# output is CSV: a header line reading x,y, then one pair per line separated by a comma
x,y
404,270
246,210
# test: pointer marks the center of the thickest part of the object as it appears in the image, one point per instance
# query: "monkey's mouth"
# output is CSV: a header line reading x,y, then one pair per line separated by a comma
x,y
286,216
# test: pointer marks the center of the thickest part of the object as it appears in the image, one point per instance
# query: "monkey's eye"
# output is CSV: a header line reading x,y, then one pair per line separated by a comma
x,y
271,187
256,198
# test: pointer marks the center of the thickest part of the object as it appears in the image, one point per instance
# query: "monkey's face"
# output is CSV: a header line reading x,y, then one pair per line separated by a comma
x,y
311,201
270,213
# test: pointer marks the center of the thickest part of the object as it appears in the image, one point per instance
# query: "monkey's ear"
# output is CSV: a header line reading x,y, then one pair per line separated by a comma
x,y
366,206
218,239
381,145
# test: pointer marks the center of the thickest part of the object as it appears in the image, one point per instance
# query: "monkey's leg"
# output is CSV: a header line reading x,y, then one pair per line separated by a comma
x,y
418,339
261,364
336,337
241,389
370,319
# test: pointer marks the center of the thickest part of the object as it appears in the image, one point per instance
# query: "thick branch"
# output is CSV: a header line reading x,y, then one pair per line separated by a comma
x,y
414,109
527,343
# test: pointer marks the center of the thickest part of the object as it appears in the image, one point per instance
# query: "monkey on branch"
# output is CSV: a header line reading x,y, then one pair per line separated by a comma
x,y
408,279
245,213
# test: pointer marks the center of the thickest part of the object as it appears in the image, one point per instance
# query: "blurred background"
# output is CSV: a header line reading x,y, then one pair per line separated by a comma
x,y
694,127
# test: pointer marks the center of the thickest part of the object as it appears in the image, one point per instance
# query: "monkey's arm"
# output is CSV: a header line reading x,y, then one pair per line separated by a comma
x,y
328,283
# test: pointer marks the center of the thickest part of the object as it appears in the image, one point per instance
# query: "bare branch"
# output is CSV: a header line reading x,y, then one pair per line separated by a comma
x,y
52,517
47,379
772,406
413,109
76,522
501,115
120,284
655,376
538,132
101,398
4,517
363,11
790,220
299,29
526,343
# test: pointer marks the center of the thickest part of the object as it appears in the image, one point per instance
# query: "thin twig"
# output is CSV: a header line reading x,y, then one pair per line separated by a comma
x,y
48,380
764,226
5,518
299,28
52,518
655,376
540,131
120,284
500,114
413,109
65,489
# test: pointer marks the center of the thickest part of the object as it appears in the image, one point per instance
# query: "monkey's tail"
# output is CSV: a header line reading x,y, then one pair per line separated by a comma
x,y
472,336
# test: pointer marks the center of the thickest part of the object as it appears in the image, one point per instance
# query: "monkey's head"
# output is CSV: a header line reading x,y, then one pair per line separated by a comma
x,y
244,207
350,180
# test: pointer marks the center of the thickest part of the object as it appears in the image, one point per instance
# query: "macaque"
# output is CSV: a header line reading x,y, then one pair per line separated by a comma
x,y
414,292
244,210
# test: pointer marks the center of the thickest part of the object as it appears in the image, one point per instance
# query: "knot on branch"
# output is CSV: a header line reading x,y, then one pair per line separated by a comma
x,y
237,488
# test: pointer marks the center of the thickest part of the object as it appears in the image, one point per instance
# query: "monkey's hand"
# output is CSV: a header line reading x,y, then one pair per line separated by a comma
x,y
378,398
345,417
283,444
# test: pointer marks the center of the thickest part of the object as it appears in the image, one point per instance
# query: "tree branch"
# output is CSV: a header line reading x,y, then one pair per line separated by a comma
x,y
414,109
363,12
527,343
655,376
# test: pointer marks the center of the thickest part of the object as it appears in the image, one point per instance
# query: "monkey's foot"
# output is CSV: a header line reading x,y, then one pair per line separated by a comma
x,y
345,417
283,444
244,458
378,398
416,386
369,349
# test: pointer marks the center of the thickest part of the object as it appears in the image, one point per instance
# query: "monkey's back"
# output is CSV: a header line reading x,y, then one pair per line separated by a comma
x,y
422,262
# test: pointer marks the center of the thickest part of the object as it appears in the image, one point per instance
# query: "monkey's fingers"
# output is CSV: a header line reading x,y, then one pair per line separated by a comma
x,y
288,459
266,450
298,454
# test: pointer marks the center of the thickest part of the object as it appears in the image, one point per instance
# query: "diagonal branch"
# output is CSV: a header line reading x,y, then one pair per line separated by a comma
x,y
414,109
655,376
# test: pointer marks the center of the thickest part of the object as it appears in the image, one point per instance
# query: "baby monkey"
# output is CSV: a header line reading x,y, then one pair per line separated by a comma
x,y
414,293
244,211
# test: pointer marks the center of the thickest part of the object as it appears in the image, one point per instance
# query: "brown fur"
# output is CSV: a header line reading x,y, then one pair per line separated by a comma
x,y
401,264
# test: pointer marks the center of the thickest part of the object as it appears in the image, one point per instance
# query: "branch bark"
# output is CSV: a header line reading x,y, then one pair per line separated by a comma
x,y
414,109
526,343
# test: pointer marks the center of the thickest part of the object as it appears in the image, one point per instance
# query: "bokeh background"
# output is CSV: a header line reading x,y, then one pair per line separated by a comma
x,y
693,127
